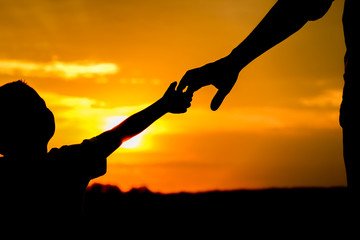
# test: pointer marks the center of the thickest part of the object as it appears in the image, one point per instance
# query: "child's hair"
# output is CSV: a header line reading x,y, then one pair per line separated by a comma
x,y
24,118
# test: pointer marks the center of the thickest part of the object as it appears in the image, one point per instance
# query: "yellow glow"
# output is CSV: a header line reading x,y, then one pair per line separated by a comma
x,y
111,122
73,70
132,143
68,70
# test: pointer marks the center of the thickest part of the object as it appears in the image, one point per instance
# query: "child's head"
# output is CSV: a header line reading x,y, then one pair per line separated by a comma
x,y
25,121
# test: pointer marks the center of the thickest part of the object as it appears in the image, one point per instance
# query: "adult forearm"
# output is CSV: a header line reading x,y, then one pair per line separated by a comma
x,y
284,19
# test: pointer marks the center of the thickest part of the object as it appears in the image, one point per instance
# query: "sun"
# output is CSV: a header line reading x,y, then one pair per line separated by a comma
x,y
132,143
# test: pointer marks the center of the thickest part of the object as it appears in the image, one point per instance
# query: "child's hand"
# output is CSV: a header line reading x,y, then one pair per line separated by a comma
x,y
176,101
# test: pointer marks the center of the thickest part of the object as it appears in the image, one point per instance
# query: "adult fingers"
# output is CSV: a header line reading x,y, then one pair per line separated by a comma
x,y
218,99
184,82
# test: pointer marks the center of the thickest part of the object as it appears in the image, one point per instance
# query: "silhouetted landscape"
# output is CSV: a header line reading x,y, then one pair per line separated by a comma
x,y
141,207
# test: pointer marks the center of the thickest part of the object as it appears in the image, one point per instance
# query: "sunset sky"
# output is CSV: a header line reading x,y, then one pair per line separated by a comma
x,y
96,62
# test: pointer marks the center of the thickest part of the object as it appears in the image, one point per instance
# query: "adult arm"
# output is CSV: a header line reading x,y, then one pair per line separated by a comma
x,y
284,19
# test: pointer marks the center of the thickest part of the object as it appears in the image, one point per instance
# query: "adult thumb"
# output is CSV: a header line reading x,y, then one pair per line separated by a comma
x,y
218,99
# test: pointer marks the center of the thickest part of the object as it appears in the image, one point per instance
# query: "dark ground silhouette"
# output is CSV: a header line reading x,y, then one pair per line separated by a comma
x,y
301,207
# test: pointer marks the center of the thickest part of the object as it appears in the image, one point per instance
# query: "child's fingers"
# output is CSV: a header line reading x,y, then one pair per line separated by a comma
x,y
171,88
187,102
182,105
188,94
173,85
184,82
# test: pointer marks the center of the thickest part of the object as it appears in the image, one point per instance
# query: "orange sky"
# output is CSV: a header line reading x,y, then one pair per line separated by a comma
x,y
96,62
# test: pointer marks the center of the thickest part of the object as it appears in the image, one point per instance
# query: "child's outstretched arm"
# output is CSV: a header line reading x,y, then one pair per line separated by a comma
x,y
173,101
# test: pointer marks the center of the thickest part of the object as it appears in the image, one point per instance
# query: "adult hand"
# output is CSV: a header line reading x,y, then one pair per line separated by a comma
x,y
222,74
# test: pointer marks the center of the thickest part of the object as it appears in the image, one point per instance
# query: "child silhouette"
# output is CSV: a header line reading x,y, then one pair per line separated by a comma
x,y
41,185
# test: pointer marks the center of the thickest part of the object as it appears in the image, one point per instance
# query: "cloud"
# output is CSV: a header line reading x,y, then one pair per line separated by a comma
x,y
330,98
80,117
72,108
67,70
